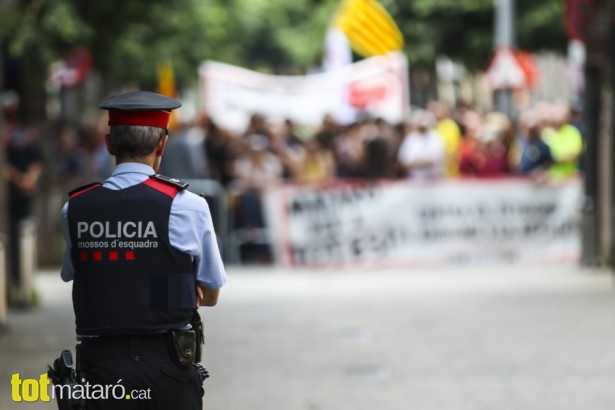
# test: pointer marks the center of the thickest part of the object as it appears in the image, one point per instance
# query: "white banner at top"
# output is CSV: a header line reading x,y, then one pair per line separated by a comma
x,y
376,85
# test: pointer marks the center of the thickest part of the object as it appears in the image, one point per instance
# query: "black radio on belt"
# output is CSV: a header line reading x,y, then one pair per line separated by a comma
x,y
187,345
183,346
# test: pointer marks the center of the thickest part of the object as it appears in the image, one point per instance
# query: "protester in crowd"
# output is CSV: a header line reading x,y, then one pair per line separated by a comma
x,y
377,161
330,125
380,151
220,151
315,165
373,155
535,157
385,129
491,157
546,116
286,146
257,125
348,150
423,153
565,143
470,145
185,153
22,169
70,156
99,163
289,135
77,159
451,135
254,171
398,134
505,132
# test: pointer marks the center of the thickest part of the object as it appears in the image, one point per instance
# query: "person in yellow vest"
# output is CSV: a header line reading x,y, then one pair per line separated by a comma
x,y
546,113
566,145
451,135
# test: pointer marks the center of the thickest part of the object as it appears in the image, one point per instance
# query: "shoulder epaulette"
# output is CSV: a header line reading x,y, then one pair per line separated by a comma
x,y
82,189
180,185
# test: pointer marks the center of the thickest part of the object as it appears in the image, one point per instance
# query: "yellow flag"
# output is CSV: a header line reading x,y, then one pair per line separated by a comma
x,y
166,79
166,86
370,29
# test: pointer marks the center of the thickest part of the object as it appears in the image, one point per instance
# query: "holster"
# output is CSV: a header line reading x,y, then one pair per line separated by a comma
x,y
197,326
183,346
65,373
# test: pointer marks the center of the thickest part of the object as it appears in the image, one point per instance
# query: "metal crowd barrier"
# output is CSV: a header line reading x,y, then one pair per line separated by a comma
x,y
215,195
230,239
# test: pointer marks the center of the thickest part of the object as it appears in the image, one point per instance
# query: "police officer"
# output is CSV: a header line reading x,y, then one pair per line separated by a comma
x,y
22,169
142,254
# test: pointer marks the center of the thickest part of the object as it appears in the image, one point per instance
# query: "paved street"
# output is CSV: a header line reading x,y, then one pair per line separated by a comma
x,y
513,337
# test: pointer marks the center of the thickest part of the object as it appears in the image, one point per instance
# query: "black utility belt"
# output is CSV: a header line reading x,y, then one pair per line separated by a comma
x,y
180,344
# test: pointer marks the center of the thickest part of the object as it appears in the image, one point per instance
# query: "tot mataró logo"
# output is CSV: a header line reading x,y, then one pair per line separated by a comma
x,y
30,390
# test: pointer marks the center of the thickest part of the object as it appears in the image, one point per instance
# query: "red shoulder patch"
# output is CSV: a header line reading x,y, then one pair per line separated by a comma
x,y
82,189
169,190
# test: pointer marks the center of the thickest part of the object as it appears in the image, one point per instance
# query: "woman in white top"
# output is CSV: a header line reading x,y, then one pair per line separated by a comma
x,y
422,153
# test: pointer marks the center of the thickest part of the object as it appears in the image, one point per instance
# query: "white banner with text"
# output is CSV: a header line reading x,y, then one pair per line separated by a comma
x,y
401,223
377,85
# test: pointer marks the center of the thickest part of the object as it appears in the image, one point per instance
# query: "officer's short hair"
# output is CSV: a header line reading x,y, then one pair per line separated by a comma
x,y
134,141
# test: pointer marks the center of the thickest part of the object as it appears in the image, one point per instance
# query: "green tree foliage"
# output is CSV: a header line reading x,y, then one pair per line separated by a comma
x,y
271,35
128,38
540,25
133,37
464,29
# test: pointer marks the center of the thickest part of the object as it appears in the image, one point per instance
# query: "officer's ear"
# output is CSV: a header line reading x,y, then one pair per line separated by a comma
x,y
161,145
108,143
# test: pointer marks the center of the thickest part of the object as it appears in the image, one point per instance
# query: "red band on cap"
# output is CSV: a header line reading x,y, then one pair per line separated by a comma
x,y
152,118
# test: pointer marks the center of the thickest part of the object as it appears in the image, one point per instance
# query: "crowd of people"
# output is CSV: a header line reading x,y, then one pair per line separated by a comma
x,y
433,143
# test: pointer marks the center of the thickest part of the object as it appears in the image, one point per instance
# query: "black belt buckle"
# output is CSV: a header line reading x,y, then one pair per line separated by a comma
x,y
183,346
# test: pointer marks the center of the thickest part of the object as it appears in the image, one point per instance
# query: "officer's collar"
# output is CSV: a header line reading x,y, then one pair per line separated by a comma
x,y
132,167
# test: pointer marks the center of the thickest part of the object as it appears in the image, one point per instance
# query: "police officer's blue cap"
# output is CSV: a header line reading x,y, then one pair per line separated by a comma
x,y
140,108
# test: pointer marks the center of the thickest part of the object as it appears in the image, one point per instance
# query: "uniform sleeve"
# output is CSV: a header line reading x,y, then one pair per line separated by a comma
x,y
68,271
191,230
